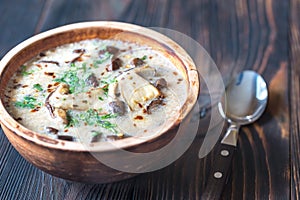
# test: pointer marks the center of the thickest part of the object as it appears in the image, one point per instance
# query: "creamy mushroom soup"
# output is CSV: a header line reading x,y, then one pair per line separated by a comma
x,y
96,90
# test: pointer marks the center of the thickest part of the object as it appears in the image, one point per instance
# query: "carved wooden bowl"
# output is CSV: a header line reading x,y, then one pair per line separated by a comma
x,y
71,160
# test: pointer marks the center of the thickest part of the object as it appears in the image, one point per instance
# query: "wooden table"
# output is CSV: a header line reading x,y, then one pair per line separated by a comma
x,y
243,34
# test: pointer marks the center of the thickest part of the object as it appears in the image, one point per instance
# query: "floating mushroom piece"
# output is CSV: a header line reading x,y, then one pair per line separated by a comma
x,y
117,107
160,83
153,104
113,90
137,91
116,64
66,137
113,50
92,80
96,138
145,71
117,137
51,130
137,62
79,57
63,88
109,49
61,115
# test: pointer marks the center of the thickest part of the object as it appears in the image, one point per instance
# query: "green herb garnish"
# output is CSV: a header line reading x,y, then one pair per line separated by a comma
x,y
27,102
38,87
71,78
75,81
92,117
72,121
83,67
72,64
105,90
108,81
24,72
101,98
103,58
105,84
144,57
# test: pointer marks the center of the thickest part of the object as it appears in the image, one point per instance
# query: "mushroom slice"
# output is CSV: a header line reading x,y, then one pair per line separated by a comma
x,y
51,130
113,90
115,64
145,71
137,91
116,137
160,83
117,107
92,80
137,62
61,115
66,137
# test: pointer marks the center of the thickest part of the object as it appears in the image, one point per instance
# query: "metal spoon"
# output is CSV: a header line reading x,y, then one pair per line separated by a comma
x,y
243,102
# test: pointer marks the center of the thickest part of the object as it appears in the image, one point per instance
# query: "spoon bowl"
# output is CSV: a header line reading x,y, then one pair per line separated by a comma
x,y
245,98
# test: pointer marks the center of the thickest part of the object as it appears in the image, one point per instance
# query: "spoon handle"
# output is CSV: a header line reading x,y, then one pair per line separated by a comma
x,y
219,173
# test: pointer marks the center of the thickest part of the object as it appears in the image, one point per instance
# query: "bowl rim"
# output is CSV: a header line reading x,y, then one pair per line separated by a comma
x,y
7,120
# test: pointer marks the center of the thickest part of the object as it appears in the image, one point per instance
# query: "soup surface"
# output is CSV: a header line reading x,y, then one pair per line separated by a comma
x,y
96,90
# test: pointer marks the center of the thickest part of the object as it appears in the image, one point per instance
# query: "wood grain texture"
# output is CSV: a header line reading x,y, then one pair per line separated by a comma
x,y
239,35
295,98
16,23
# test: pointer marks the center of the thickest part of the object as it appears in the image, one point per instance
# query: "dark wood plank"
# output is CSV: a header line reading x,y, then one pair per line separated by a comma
x,y
58,13
295,98
250,35
18,22
258,170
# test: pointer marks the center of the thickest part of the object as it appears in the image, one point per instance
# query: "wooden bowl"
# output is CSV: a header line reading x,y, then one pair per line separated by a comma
x,y
71,160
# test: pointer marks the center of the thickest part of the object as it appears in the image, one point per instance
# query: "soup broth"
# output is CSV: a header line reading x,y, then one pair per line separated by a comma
x,y
96,90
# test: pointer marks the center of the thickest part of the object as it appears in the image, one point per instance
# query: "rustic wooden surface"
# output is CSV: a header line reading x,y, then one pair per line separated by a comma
x,y
244,34
295,98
